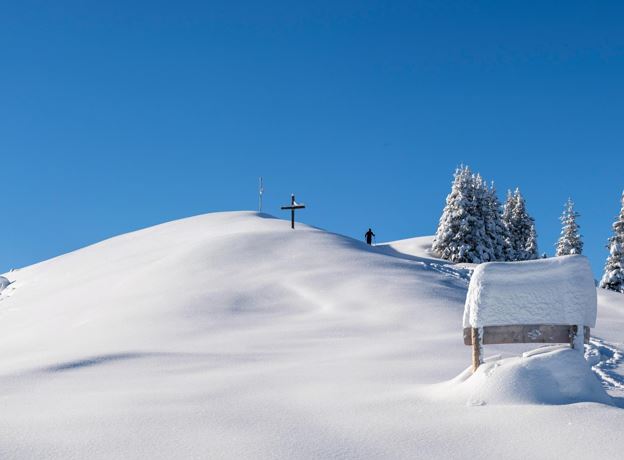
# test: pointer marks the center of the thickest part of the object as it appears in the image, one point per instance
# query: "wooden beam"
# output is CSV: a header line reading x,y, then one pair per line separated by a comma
x,y
292,208
476,349
525,333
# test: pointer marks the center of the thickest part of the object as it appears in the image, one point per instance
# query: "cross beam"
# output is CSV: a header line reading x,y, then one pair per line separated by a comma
x,y
293,205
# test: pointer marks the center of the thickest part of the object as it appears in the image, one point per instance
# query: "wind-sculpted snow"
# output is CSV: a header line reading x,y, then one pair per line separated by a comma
x,y
550,375
229,335
419,249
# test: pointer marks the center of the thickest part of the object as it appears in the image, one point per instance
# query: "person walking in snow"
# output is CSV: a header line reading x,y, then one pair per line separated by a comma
x,y
369,236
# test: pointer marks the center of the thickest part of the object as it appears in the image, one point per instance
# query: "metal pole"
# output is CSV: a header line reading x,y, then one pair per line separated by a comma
x,y
292,211
260,192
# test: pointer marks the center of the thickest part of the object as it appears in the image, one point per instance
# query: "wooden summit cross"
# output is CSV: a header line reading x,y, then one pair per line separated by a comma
x,y
293,205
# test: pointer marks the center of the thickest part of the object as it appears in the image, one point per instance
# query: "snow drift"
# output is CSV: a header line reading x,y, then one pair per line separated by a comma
x,y
418,247
558,290
548,375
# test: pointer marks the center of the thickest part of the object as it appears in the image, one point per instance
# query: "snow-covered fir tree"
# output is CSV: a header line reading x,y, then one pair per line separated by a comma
x,y
570,240
531,246
524,224
456,237
519,226
494,226
506,218
471,228
613,277
483,221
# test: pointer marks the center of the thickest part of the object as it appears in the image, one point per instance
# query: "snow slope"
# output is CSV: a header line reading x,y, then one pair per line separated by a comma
x,y
419,246
229,335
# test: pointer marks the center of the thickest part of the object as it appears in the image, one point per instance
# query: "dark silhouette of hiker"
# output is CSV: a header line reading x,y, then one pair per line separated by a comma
x,y
369,236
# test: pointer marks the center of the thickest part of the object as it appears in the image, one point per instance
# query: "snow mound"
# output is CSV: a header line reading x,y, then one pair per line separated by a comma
x,y
549,375
3,283
417,247
558,290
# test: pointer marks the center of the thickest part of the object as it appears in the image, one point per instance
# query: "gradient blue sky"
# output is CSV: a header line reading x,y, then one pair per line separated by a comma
x,y
122,114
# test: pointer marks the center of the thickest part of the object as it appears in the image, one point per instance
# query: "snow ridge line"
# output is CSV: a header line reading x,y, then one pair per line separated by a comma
x,y
605,358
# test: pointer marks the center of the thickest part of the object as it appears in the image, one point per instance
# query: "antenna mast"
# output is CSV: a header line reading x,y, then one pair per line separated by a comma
x,y
260,192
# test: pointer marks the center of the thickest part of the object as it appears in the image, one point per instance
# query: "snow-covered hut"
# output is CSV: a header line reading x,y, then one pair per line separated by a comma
x,y
539,301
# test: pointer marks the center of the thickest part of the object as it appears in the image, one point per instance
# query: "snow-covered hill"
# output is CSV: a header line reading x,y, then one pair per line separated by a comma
x,y
231,336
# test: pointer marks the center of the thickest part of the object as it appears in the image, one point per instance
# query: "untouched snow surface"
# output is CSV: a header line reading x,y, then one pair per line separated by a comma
x,y
559,290
231,336
419,246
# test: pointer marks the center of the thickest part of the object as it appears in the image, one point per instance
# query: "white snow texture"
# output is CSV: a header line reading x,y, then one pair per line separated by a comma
x,y
551,375
557,290
231,336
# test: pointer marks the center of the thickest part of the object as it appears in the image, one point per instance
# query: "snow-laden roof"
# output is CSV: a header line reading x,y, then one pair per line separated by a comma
x,y
558,290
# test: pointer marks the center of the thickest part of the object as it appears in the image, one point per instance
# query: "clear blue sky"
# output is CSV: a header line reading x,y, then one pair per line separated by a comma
x,y
118,115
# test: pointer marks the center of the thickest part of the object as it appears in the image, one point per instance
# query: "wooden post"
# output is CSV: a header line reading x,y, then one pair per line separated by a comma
x,y
577,337
476,349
